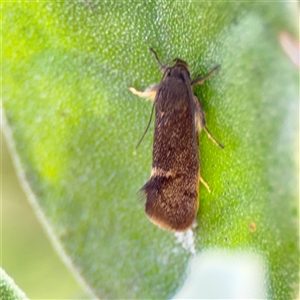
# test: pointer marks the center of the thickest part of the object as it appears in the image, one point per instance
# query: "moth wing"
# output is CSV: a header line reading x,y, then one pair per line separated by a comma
x,y
171,203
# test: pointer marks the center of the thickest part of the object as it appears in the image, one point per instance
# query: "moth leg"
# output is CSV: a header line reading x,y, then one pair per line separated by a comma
x,y
199,114
200,121
204,183
201,80
212,138
149,93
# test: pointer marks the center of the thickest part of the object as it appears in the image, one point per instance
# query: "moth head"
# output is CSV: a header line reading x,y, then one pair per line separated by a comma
x,y
177,69
179,62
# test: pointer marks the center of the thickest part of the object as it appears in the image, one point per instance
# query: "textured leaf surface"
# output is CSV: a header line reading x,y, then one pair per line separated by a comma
x,y
8,289
68,66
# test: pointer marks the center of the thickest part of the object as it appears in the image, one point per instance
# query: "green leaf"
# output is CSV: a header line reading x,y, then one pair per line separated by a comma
x,y
74,126
8,289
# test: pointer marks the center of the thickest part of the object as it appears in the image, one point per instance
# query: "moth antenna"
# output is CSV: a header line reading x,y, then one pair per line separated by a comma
x,y
146,127
156,57
212,138
162,67
201,80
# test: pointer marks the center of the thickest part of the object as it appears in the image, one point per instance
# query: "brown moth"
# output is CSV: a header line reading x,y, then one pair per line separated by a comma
x,y
172,191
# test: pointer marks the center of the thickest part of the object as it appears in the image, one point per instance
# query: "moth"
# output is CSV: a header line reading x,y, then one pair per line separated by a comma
x,y
172,192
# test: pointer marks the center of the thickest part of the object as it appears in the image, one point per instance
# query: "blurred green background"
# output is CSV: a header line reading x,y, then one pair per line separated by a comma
x,y
26,253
